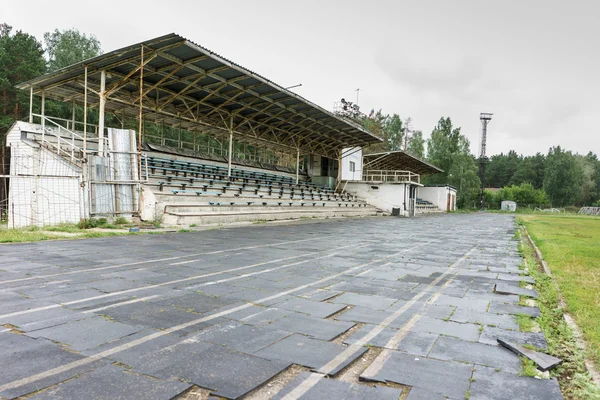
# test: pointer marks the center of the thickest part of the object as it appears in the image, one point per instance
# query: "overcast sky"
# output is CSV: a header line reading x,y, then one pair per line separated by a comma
x,y
534,64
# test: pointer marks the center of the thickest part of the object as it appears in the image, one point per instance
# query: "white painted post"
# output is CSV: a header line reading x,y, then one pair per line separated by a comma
x,y
230,147
297,166
101,113
31,105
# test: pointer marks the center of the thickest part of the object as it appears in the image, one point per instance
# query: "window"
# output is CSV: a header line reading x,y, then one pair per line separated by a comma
x,y
352,166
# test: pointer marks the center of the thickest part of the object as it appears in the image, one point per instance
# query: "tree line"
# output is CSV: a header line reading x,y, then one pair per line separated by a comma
x,y
558,178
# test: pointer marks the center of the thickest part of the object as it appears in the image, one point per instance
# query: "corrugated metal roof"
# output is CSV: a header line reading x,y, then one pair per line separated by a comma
x,y
190,86
399,161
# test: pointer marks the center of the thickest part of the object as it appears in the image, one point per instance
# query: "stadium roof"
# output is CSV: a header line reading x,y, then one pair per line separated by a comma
x,y
188,86
398,161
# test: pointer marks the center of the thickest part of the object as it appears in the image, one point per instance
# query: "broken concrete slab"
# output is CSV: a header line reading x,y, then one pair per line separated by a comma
x,y
447,378
110,382
323,329
227,373
543,361
451,349
86,333
490,335
437,326
311,353
370,301
333,389
484,318
237,336
499,308
30,360
489,384
417,393
504,288
314,308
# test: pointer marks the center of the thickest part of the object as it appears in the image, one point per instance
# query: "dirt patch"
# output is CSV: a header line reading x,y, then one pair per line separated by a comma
x,y
340,339
194,393
274,386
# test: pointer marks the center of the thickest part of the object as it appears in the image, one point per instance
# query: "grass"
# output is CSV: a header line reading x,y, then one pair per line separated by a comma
x,y
529,367
574,380
570,244
526,323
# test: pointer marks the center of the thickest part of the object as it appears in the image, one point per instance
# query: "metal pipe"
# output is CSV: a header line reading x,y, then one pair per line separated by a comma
x,y
140,119
297,165
31,105
230,147
72,117
85,87
43,113
101,113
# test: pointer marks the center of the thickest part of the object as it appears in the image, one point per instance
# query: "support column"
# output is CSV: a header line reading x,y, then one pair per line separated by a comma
x,y
101,113
43,113
141,121
297,166
339,177
73,117
85,90
230,155
31,105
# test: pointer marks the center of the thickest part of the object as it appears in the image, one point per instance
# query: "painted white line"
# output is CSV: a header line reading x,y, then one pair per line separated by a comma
x,y
155,260
121,304
351,349
133,290
137,342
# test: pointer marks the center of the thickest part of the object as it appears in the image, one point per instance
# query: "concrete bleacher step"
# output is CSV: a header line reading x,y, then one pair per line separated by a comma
x,y
211,215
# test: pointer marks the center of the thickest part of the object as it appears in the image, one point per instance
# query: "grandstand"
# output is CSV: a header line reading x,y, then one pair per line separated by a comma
x,y
180,134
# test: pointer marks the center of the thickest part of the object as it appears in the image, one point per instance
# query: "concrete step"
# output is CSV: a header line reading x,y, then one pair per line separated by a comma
x,y
207,217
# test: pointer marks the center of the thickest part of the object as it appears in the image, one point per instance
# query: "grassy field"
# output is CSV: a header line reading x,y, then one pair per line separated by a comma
x,y
570,245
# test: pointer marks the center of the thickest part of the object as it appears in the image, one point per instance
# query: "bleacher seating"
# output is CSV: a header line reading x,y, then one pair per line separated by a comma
x,y
425,207
188,189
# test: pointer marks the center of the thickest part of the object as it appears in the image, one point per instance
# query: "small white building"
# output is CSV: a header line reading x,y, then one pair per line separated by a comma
x,y
387,180
441,196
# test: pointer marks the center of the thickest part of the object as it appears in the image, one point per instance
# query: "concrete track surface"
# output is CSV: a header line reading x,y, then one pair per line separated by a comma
x,y
374,308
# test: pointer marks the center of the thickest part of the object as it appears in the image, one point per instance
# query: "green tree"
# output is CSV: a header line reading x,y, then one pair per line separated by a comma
x,y
21,59
448,149
65,48
563,178
416,144
68,47
394,130
589,181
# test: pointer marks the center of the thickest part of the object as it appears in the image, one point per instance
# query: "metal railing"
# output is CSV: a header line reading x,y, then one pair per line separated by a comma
x,y
63,138
373,175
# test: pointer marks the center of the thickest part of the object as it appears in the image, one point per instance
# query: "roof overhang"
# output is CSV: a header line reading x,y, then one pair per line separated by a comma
x,y
398,161
185,85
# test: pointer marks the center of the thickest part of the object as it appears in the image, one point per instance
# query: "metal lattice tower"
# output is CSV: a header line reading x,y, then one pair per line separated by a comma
x,y
485,118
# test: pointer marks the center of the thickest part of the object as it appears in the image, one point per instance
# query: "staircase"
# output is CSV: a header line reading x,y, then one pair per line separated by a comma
x,y
425,207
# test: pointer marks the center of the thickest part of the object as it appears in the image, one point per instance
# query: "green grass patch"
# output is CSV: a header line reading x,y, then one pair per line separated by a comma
x,y
570,244
526,323
529,367
573,377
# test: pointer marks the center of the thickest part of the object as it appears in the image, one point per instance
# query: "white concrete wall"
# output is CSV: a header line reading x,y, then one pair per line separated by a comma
x,y
354,155
44,188
438,196
384,196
